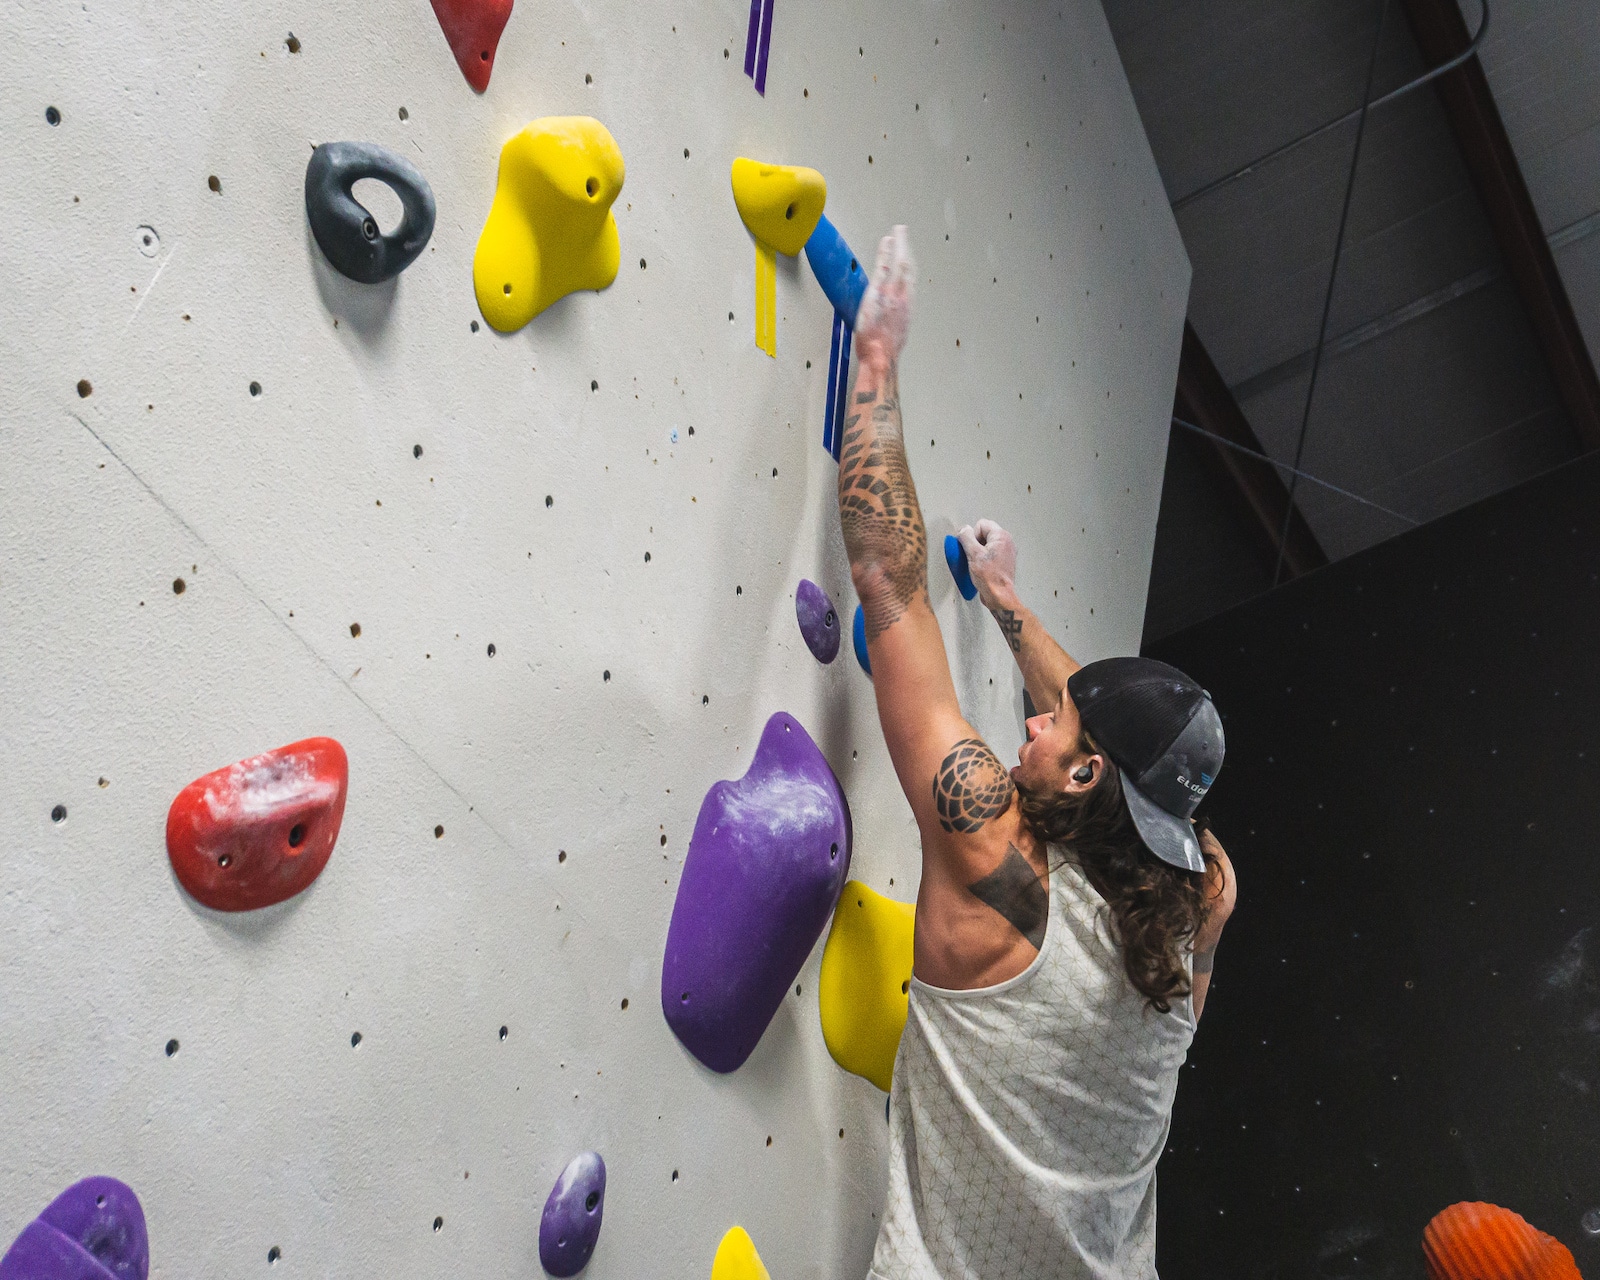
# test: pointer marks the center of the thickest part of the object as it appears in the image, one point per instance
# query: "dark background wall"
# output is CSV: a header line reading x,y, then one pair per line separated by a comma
x,y
1406,1010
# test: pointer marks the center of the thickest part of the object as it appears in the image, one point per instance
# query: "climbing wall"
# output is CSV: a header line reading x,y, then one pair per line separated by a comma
x,y
539,585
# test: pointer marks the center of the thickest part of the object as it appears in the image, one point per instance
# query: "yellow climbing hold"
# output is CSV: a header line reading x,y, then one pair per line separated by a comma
x,y
781,205
737,1258
866,974
550,230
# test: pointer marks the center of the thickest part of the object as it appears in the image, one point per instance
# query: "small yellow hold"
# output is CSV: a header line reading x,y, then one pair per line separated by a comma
x,y
550,231
866,975
781,204
737,1258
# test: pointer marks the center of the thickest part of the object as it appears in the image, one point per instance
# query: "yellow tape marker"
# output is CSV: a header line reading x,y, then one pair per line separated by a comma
x,y
550,231
737,1258
767,299
781,205
866,975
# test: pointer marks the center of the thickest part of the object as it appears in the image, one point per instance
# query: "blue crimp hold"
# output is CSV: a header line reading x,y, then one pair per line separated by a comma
x,y
841,276
955,555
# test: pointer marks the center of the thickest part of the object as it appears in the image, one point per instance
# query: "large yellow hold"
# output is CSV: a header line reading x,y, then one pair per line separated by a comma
x,y
865,980
737,1258
550,230
781,205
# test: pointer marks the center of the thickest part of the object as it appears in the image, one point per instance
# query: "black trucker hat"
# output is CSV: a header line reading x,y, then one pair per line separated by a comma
x,y
1166,737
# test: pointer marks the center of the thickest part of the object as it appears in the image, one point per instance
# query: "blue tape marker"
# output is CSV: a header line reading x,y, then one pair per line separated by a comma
x,y
841,276
844,388
829,425
858,635
955,555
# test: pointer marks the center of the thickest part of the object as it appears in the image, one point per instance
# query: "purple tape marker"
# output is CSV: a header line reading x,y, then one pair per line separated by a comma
x,y
766,43
751,36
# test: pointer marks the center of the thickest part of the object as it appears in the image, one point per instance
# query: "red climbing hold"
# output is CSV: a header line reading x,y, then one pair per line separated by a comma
x,y
473,29
261,830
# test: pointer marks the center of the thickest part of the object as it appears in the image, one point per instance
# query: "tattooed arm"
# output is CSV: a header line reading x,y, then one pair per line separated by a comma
x,y
992,560
887,543
983,901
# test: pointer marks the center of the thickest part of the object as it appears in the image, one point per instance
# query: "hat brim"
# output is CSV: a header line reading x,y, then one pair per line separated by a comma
x,y
1170,838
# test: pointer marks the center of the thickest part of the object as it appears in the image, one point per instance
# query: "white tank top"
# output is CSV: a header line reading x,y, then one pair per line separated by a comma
x,y
1026,1118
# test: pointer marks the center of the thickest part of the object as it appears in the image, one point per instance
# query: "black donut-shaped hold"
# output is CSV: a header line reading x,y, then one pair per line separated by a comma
x,y
346,232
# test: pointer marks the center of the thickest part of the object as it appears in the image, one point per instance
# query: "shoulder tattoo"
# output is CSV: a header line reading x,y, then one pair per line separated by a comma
x,y
1015,890
971,787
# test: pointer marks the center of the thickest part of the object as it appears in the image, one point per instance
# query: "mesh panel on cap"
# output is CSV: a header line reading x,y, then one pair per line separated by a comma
x,y
1134,707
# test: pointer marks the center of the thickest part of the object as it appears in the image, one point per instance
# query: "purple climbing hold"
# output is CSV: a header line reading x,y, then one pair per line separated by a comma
x,y
571,1222
767,860
94,1230
819,620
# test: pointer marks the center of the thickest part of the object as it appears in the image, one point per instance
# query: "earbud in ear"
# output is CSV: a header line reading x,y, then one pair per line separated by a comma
x,y
1085,774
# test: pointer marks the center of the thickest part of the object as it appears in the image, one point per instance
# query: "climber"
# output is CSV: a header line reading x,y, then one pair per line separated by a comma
x,y
1068,909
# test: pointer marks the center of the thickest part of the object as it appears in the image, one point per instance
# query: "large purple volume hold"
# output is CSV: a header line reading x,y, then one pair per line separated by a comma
x,y
767,860
94,1230
571,1222
819,620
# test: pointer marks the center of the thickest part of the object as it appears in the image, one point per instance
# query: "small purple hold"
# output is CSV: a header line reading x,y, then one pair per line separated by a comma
x,y
571,1222
767,860
819,621
94,1230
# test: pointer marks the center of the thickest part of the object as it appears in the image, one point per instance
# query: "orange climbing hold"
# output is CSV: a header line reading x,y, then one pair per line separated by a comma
x,y
1475,1241
261,830
472,28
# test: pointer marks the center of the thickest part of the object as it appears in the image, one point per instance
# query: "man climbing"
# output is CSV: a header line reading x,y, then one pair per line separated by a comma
x,y
1067,913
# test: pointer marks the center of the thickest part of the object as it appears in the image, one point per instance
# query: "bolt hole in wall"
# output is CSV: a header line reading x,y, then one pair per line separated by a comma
x,y
172,1047
273,1254
58,814
438,1224
355,1039
255,389
53,117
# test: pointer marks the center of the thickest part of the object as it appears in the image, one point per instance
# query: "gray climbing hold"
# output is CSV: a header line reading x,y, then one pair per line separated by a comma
x,y
346,232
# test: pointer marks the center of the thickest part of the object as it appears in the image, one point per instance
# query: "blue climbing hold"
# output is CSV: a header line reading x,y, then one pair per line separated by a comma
x,y
837,270
858,634
955,555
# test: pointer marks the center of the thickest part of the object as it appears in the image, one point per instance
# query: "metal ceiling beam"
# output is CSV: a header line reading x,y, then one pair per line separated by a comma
x,y
1468,103
1254,486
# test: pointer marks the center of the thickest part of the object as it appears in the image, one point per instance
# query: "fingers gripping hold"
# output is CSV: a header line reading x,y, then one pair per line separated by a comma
x,y
885,316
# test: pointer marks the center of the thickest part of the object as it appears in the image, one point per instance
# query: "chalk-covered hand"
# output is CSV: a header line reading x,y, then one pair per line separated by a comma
x,y
992,562
885,314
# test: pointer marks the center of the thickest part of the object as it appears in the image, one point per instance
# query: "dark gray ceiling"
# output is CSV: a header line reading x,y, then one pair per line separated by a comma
x,y
1432,390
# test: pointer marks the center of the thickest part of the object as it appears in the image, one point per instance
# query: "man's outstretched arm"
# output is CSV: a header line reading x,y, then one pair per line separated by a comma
x,y
992,561
887,543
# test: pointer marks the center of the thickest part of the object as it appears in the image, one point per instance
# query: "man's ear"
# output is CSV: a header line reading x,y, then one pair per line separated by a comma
x,y
1084,773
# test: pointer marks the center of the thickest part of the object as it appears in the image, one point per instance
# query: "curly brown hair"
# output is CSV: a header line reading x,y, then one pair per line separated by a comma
x,y
1156,908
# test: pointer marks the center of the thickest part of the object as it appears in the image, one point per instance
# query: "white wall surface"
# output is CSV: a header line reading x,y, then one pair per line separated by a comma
x,y
1004,134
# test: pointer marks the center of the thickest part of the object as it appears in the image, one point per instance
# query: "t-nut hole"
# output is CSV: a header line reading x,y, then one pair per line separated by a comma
x,y
297,835
273,1254
592,186
59,813
369,228
172,1047
833,850
355,1039
591,1201
438,1224
504,1032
